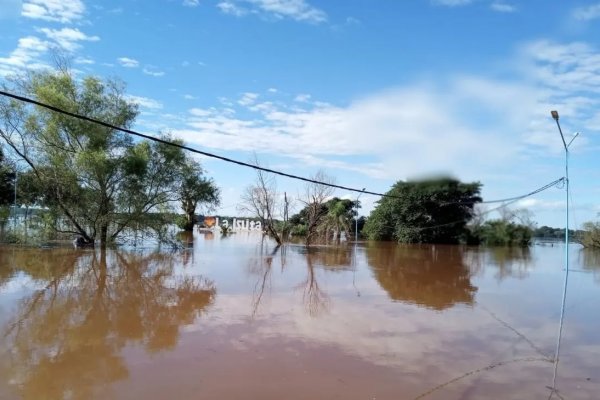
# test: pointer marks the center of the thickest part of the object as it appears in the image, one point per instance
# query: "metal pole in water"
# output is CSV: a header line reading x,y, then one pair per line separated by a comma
x,y
564,294
356,219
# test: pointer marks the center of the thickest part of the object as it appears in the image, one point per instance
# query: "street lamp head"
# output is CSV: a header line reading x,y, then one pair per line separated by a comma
x,y
554,114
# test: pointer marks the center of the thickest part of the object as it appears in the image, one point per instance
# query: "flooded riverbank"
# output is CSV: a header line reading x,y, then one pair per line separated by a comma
x,y
237,317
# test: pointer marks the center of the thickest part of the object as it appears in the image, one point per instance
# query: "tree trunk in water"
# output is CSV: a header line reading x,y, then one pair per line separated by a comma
x,y
190,221
103,235
190,215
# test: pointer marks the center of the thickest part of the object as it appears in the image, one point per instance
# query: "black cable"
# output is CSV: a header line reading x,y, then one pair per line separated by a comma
x,y
226,159
511,199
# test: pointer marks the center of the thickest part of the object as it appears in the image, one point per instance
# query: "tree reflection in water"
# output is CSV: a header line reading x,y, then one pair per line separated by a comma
x,y
431,276
314,298
65,340
590,260
511,262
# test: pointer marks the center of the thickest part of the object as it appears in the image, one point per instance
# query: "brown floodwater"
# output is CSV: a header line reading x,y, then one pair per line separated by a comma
x,y
238,318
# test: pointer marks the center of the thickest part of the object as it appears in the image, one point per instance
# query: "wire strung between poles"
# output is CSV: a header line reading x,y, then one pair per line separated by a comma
x,y
222,158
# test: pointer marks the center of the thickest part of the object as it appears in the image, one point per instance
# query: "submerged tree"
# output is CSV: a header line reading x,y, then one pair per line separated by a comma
x,y
97,181
315,196
591,234
196,190
7,180
261,200
428,211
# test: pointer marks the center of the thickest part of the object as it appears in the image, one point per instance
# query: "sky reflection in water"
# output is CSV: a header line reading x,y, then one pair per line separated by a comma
x,y
238,317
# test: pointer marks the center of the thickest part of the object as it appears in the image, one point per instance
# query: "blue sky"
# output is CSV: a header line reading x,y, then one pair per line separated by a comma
x,y
370,91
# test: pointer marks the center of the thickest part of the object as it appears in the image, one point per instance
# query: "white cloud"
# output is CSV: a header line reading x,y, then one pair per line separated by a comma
x,y
128,62
152,71
298,10
503,7
302,98
448,126
67,38
65,11
587,13
26,55
451,3
84,60
231,8
145,102
200,112
248,99
189,97
191,3
272,90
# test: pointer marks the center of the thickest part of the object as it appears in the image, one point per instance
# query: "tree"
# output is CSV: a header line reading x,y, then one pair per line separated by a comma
x,y
97,180
339,218
7,181
315,196
428,211
261,201
194,190
513,228
591,234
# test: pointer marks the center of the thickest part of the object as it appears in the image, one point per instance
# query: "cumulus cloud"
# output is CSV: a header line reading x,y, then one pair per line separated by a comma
x,y
152,71
128,62
26,55
65,11
248,99
298,10
424,128
302,98
191,3
503,7
145,102
84,60
67,38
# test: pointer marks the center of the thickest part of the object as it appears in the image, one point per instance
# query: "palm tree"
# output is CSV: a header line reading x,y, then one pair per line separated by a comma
x,y
339,218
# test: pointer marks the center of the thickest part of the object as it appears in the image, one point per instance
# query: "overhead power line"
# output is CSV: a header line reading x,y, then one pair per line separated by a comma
x,y
226,159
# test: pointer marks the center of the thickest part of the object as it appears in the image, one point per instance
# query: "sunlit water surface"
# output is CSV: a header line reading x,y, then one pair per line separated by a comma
x,y
237,318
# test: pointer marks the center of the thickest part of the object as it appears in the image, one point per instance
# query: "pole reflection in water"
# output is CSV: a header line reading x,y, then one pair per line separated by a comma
x,y
66,338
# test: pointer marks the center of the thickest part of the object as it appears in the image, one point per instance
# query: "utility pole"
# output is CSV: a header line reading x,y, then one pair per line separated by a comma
x,y
564,294
566,145
356,219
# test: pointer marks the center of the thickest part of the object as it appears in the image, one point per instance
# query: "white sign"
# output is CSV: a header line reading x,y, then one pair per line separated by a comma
x,y
240,225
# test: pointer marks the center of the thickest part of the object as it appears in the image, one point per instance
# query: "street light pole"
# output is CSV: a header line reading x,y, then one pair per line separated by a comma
x,y
566,146
356,220
564,294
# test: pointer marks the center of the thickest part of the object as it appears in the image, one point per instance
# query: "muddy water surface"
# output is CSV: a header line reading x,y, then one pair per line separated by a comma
x,y
234,318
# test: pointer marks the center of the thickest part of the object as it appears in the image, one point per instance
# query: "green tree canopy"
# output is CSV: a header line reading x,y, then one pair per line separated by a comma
x,y
195,190
427,211
98,181
7,180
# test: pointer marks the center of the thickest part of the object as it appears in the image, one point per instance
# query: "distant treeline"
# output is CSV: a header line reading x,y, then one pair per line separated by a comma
x,y
547,232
